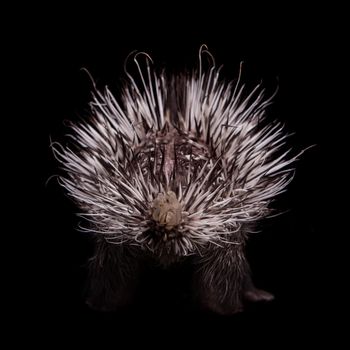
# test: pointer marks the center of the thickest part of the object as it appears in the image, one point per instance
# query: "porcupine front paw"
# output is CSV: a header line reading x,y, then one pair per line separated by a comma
x,y
219,300
105,300
222,308
228,307
257,295
253,294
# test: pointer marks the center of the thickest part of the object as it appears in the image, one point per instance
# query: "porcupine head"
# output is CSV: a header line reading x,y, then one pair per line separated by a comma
x,y
175,166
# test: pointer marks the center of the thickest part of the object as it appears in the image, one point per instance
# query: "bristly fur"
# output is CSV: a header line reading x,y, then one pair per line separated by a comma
x,y
197,146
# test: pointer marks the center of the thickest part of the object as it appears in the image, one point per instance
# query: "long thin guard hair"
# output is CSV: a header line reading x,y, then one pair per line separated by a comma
x,y
205,140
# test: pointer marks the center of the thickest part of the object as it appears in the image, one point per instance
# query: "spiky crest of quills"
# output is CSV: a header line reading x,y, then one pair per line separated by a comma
x,y
191,135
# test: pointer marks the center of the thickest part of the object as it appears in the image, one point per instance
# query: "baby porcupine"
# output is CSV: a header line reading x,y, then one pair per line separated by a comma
x,y
176,166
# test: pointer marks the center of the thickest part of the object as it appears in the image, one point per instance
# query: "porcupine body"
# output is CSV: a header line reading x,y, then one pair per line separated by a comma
x,y
178,166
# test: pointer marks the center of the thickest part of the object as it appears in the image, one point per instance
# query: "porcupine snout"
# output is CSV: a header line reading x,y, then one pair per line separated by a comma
x,y
166,211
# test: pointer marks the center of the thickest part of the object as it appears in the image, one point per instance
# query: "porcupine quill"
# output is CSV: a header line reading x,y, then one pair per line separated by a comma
x,y
177,166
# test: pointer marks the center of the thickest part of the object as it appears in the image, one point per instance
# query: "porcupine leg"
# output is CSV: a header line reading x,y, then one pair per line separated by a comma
x,y
223,280
112,276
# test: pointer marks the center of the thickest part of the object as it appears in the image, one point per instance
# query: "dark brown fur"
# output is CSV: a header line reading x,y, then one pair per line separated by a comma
x,y
221,280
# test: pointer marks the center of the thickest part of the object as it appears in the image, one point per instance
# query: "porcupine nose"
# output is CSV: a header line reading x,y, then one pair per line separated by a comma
x,y
166,210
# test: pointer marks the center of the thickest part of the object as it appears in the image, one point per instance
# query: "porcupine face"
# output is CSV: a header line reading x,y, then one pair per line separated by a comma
x,y
175,163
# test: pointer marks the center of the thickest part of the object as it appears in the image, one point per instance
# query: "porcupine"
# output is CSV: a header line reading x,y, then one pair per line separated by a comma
x,y
179,166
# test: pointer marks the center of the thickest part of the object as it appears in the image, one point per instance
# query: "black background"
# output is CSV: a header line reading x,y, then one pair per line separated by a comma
x,y
290,258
